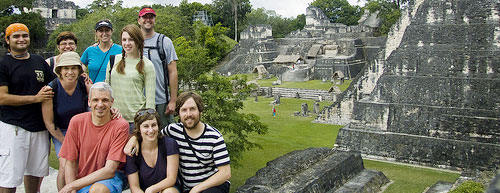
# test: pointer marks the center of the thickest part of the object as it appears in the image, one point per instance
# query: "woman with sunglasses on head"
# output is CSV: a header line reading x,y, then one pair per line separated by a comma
x,y
96,57
155,168
132,76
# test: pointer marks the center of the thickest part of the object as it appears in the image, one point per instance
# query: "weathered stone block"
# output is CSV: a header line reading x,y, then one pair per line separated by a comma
x,y
310,170
434,152
494,186
367,181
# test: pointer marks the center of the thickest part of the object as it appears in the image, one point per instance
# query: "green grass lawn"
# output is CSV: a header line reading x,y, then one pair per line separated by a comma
x,y
409,179
288,133
312,84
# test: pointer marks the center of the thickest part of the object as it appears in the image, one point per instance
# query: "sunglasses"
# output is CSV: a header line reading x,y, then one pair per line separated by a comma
x,y
144,111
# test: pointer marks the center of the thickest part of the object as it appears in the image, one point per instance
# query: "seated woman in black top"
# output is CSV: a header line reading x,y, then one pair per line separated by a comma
x,y
155,169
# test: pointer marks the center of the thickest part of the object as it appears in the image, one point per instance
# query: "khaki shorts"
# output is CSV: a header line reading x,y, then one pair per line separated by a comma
x,y
22,153
165,120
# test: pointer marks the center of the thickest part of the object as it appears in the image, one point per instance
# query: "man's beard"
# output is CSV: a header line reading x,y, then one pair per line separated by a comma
x,y
195,123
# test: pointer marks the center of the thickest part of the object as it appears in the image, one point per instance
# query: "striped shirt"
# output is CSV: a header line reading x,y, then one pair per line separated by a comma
x,y
210,152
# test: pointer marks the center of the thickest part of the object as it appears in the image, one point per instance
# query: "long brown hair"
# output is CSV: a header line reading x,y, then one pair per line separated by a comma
x,y
141,116
136,34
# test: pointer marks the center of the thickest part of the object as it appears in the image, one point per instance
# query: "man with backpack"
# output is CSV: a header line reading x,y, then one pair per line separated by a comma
x,y
160,50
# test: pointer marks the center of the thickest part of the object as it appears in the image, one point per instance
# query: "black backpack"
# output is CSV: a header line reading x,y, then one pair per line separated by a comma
x,y
161,53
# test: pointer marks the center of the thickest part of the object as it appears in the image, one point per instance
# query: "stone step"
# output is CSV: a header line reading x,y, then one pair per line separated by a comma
x,y
422,150
468,124
440,187
310,170
470,35
367,181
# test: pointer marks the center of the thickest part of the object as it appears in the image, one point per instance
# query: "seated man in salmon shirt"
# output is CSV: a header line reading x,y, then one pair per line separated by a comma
x,y
93,146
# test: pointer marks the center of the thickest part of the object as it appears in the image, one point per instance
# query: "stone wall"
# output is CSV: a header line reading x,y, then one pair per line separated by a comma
x,y
319,25
257,47
303,93
56,12
315,170
257,32
431,97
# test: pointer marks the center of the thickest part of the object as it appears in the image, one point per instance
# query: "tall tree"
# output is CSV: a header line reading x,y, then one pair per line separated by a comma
x,y
339,11
4,4
281,26
34,21
389,13
256,17
104,4
223,98
229,12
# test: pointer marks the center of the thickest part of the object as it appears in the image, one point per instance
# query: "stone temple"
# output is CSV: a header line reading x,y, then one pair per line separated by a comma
x,y
427,96
316,52
431,96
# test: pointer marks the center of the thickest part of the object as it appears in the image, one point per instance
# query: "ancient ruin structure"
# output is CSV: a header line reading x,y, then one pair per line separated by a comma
x,y
315,170
56,12
256,47
204,17
315,52
431,97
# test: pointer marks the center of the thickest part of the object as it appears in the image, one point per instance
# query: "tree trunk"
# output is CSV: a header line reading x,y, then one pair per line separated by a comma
x,y
235,8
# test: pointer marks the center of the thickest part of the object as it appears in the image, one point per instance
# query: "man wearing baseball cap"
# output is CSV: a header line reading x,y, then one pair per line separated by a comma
x,y
24,147
160,50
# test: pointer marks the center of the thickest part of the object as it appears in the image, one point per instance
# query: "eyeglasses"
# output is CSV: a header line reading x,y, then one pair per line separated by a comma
x,y
67,44
144,111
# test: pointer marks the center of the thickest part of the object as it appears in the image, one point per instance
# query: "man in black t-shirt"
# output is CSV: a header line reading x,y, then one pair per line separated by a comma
x,y
24,144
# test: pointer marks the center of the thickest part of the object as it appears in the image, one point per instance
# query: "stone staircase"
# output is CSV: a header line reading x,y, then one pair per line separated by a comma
x,y
303,93
432,98
315,170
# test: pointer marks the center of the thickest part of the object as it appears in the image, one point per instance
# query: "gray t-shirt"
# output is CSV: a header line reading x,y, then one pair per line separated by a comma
x,y
170,54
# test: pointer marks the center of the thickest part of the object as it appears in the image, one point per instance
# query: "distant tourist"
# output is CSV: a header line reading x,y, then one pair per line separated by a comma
x,y
155,168
96,57
93,146
132,76
159,49
204,159
24,139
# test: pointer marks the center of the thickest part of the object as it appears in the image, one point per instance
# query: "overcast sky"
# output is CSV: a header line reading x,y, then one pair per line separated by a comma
x,y
285,8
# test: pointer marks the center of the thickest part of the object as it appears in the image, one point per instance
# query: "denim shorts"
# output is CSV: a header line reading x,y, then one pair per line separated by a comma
x,y
57,143
115,184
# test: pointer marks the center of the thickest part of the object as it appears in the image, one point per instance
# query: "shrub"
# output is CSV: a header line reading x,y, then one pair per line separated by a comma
x,y
469,186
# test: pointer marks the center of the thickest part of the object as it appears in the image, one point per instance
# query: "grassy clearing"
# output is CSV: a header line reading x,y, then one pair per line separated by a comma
x,y
409,179
312,84
286,133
